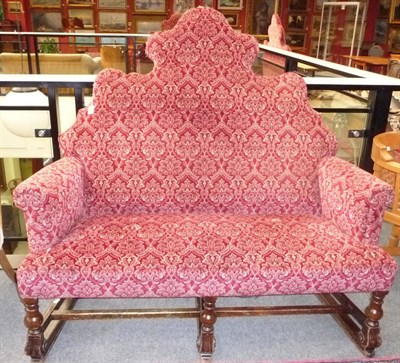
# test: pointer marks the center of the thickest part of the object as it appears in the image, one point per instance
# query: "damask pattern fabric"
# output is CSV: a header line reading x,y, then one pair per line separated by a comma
x,y
201,179
174,255
355,213
202,132
53,202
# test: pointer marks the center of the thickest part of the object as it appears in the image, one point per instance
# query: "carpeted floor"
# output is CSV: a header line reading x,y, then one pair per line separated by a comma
x,y
269,339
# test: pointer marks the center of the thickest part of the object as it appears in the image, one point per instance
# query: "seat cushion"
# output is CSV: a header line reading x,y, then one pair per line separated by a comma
x,y
171,255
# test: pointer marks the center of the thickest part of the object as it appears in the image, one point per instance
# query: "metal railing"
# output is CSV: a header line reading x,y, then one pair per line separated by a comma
x,y
30,44
335,77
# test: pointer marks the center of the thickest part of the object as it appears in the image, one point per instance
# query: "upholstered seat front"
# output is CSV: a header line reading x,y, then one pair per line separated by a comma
x,y
175,255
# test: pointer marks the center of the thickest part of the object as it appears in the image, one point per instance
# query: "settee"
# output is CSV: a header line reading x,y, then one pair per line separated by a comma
x,y
201,180
50,63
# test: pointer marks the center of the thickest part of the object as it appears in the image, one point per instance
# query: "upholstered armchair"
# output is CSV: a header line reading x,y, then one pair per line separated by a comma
x,y
202,180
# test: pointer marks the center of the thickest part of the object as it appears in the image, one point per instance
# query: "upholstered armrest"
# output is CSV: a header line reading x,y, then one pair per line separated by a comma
x,y
353,199
52,200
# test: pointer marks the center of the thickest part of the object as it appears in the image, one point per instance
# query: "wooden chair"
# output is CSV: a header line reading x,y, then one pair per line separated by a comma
x,y
375,51
386,156
394,68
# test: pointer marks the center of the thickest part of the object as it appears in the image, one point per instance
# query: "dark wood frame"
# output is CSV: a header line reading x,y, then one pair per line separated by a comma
x,y
362,328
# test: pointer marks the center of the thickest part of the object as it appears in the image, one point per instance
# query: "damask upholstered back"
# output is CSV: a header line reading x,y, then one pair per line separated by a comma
x,y
201,132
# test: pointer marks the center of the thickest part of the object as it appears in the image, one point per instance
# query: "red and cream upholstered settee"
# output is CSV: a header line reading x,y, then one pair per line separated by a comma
x,y
202,180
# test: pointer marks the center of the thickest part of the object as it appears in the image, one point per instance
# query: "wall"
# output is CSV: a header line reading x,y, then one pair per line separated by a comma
x,y
302,36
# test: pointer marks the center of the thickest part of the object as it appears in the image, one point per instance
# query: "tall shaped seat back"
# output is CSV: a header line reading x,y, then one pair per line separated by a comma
x,y
201,132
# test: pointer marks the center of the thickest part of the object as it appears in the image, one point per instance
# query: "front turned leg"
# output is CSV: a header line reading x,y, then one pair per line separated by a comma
x,y
368,337
36,344
206,339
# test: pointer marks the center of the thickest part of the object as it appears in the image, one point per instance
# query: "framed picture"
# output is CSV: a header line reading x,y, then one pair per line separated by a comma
x,y
86,15
148,24
314,47
230,4
395,12
150,6
381,27
112,21
233,19
394,40
258,15
296,40
348,31
296,21
45,3
15,7
113,41
88,41
316,25
113,4
318,5
298,5
80,2
208,3
383,8
327,27
47,22
1,10
180,6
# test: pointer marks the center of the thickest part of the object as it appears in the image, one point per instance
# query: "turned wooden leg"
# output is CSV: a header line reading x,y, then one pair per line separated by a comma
x,y
368,337
206,339
36,344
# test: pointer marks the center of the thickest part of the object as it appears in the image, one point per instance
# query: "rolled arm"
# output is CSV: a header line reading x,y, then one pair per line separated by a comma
x,y
353,199
52,200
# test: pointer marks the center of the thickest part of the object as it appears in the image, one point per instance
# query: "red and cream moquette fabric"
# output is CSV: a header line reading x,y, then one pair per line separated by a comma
x,y
201,179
